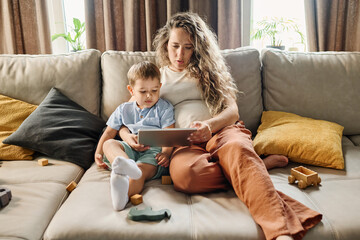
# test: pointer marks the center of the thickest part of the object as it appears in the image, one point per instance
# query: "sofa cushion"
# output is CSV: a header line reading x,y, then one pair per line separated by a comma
x,y
37,193
18,172
191,215
62,129
30,210
322,85
244,66
13,112
355,139
303,140
219,215
30,77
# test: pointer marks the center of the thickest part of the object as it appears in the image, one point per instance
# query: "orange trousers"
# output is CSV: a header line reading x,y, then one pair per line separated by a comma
x,y
229,156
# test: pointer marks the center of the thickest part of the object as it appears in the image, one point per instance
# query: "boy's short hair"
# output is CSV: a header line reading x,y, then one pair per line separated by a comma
x,y
142,70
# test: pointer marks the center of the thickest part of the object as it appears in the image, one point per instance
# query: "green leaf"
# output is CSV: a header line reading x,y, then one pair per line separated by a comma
x,y
77,23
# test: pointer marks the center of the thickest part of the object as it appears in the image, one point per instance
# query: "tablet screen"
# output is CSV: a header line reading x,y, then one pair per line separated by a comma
x,y
168,137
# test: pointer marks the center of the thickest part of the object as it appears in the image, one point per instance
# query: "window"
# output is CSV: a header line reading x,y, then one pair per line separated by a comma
x,y
292,10
61,14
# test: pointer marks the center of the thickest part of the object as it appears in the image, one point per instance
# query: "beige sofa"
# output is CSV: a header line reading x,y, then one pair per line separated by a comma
x,y
318,85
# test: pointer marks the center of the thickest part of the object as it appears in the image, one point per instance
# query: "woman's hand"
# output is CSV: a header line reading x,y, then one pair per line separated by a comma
x,y
203,133
163,159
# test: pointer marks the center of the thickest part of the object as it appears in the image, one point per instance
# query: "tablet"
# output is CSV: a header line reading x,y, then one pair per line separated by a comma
x,y
167,137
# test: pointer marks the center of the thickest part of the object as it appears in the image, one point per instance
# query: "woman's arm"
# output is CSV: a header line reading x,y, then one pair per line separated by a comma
x,y
226,118
206,128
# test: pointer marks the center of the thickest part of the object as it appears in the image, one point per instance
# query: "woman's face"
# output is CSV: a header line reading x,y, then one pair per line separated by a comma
x,y
180,49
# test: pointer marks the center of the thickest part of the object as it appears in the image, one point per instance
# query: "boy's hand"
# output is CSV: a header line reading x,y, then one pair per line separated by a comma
x,y
99,161
132,140
163,159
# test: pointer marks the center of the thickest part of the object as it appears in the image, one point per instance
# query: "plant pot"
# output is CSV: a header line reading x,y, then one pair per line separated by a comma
x,y
277,47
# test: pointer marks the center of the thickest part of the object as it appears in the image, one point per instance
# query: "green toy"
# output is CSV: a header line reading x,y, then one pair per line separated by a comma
x,y
148,214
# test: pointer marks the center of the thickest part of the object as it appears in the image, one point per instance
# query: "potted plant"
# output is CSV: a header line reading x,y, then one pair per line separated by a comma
x,y
74,36
273,28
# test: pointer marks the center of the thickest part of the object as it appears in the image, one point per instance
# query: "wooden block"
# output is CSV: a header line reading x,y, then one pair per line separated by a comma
x,y
71,186
166,180
43,162
136,199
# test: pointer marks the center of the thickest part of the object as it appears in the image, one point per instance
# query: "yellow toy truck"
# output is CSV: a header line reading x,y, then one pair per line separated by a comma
x,y
304,176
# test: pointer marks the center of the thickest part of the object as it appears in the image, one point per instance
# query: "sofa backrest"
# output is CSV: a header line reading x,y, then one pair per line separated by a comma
x,y
322,85
244,65
30,77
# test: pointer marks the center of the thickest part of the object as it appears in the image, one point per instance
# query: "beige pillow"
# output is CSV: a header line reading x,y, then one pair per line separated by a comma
x,y
13,112
301,139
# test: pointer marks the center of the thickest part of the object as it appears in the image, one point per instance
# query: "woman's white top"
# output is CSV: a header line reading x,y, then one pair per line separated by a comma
x,y
183,93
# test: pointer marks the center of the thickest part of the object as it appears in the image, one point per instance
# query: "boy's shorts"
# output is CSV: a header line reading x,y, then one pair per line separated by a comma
x,y
147,157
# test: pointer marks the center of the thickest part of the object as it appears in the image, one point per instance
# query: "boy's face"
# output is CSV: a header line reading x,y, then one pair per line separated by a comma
x,y
146,92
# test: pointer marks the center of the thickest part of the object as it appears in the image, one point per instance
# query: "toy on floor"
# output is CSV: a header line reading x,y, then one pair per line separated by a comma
x,y
5,196
43,162
148,214
71,186
166,180
305,177
136,199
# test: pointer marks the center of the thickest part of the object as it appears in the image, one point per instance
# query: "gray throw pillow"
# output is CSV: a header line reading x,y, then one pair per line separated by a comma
x,y
60,128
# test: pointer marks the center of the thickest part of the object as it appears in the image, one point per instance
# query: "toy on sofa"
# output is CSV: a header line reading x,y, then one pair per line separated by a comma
x,y
5,197
148,214
304,176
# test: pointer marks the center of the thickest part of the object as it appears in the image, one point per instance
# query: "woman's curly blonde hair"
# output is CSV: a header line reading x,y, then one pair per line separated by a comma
x,y
206,64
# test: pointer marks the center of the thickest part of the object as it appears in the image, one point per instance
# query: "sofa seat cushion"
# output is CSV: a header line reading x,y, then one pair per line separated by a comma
x,y
351,170
17,172
37,193
88,214
30,210
192,216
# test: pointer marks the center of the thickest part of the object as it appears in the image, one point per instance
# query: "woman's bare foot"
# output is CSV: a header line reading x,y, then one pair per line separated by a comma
x,y
273,161
284,237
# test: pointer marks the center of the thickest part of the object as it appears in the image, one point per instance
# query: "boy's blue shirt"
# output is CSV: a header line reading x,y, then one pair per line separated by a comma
x,y
161,115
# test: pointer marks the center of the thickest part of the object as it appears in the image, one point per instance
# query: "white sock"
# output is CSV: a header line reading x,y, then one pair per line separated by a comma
x,y
125,166
119,185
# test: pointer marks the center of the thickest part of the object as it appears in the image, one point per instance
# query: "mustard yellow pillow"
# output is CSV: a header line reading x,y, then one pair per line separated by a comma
x,y
301,139
13,112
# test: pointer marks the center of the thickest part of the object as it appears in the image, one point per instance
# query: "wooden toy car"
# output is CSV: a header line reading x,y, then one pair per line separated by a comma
x,y
304,176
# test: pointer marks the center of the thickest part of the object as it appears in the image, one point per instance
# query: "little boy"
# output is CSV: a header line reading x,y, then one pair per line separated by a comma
x,y
131,168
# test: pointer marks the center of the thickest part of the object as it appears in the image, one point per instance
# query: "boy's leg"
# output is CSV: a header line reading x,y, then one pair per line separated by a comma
x,y
137,185
119,187
113,148
149,167
122,169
